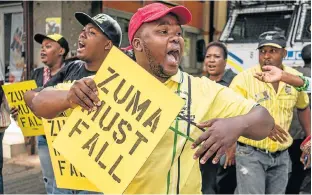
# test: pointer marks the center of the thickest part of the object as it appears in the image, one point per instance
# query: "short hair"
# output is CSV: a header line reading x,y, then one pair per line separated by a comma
x,y
220,45
130,54
306,54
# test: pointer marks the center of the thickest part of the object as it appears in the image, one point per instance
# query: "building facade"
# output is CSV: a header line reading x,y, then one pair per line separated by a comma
x,y
19,21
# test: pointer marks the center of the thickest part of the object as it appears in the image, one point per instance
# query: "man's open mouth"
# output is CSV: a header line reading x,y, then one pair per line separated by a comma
x,y
81,45
175,53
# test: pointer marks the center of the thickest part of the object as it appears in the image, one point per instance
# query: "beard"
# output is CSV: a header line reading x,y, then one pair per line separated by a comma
x,y
155,67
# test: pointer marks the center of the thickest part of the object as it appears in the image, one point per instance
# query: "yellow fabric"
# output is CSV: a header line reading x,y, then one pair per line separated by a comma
x,y
209,100
55,37
280,104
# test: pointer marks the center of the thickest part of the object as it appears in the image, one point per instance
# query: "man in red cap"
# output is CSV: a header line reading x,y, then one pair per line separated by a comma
x,y
156,37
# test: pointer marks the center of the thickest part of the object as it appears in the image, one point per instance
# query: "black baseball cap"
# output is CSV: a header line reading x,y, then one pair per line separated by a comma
x,y
272,38
54,37
105,23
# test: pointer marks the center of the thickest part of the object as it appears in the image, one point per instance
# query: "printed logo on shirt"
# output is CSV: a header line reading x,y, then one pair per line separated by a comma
x,y
262,96
288,89
183,112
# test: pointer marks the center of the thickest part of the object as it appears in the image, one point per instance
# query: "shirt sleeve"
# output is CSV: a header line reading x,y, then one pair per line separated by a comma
x,y
227,103
303,100
238,85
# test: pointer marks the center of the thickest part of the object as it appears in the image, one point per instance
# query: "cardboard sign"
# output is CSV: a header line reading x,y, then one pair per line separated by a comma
x,y
111,144
66,175
27,121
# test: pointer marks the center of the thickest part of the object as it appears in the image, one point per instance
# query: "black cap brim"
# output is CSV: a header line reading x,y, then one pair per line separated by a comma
x,y
39,38
85,19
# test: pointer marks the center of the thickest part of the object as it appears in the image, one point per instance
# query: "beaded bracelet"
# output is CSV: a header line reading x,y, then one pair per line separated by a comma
x,y
305,86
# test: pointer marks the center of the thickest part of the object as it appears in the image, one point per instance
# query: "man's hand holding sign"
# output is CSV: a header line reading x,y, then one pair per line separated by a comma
x,y
85,94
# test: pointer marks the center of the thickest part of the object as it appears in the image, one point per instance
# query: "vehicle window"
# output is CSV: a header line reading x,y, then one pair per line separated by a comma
x,y
304,31
248,27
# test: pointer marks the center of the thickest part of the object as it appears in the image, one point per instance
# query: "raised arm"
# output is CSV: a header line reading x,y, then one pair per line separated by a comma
x,y
47,103
274,74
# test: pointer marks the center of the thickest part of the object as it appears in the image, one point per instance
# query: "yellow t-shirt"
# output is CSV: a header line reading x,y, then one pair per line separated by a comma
x,y
171,167
280,105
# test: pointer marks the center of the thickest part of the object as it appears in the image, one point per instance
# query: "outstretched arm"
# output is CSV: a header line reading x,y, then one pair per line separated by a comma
x,y
47,103
50,102
256,125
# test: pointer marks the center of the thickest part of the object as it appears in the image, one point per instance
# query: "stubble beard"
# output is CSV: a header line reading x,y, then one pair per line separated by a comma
x,y
156,68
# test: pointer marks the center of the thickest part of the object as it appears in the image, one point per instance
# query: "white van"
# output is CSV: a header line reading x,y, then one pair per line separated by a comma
x,y
248,19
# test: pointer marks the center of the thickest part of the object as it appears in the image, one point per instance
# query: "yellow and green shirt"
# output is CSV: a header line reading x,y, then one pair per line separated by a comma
x,y
280,105
171,169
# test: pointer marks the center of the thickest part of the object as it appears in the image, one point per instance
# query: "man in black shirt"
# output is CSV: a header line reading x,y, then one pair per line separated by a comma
x,y
98,36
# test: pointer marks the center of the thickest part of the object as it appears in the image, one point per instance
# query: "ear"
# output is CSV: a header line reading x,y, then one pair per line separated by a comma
x,y
284,53
62,51
108,45
137,44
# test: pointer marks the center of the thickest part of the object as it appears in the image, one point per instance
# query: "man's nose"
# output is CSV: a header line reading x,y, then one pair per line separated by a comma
x,y
82,34
175,38
267,55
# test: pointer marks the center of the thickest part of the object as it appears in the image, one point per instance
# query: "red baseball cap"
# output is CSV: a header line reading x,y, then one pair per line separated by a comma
x,y
152,12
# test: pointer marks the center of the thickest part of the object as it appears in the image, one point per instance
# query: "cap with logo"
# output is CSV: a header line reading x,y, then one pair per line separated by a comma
x,y
54,37
272,38
105,23
153,12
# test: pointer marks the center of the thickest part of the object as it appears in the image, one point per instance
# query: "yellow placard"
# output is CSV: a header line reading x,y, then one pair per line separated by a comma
x,y
111,144
27,121
66,175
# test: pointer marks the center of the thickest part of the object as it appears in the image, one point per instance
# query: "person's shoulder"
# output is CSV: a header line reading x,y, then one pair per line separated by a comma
x,y
195,78
230,71
37,73
251,70
203,83
73,65
229,74
38,69
248,73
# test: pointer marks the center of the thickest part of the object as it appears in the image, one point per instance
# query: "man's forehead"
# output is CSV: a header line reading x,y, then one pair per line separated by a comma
x,y
169,19
90,25
47,40
269,47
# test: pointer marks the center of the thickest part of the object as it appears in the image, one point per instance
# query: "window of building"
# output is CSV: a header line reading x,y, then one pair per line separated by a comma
x,y
11,43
